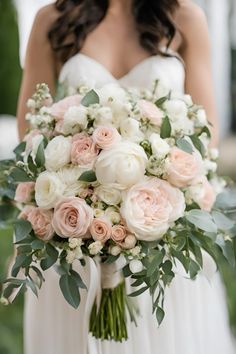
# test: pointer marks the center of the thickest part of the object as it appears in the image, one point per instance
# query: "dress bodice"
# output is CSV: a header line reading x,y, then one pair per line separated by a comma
x,y
81,69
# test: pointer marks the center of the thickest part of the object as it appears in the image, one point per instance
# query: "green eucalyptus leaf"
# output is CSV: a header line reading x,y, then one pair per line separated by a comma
x,y
160,101
184,145
201,219
70,290
138,292
160,314
30,283
222,221
198,144
37,245
78,279
88,176
19,175
20,148
165,128
22,229
90,98
40,157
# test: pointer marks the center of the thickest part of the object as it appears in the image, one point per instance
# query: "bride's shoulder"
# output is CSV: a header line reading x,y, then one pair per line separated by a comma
x,y
45,18
190,17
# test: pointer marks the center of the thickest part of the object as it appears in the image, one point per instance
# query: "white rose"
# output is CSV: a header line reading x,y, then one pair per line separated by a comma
x,y
176,109
115,250
57,153
124,164
36,141
159,146
95,247
129,129
108,194
48,190
135,266
75,120
201,117
69,176
113,215
102,116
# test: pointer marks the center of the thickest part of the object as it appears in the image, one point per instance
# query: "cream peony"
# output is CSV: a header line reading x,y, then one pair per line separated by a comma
x,y
57,153
124,164
48,190
150,206
69,176
72,217
59,108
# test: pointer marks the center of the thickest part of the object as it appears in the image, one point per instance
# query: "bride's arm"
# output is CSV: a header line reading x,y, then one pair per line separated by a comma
x,y
39,63
196,52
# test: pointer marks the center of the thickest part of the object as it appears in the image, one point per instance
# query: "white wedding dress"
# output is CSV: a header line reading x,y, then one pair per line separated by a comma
x,y
196,320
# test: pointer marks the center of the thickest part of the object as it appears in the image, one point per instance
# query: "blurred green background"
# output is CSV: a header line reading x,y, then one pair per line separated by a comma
x,y
11,317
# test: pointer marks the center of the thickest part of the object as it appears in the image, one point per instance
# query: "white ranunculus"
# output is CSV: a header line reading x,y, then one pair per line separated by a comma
x,y
69,176
176,109
75,120
113,215
36,141
57,153
108,194
159,146
135,266
129,129
124,163
48,190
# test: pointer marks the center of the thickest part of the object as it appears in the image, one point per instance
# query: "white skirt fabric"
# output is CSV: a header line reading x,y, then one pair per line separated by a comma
x,y
196,320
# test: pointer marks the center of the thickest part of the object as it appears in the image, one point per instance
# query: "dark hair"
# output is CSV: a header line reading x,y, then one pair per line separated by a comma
x,y
79,17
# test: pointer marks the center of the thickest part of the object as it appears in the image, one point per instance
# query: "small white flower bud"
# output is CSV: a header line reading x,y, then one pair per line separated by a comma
x,y
135,266
115,250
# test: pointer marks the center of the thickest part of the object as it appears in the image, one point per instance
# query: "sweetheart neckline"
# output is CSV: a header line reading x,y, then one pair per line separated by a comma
x,y
135,67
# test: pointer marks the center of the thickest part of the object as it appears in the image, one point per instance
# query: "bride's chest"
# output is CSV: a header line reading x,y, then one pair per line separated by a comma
x,y
81,69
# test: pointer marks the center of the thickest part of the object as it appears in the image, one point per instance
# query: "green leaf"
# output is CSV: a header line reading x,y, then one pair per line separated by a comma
x,y
182,258
184,145
22,229
90,98
37,245
47,263
31,284
20,148
52,252
40,157
222,221
193,269
165,128
180,242
167,266
19,175
198,144
88,176
78,279
202,220
160,101
39,274
160,314
126,271
70,290
138,292
155,263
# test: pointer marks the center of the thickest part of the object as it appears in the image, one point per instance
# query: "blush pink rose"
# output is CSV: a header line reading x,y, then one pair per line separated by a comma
x,y
41,221
150,206
105,137
183,168
25,212
83,150
59,108
72,217
24,192
100,229
118,233
151,111
207,197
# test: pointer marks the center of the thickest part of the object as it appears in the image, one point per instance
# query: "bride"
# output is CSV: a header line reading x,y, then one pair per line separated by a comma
x,y
129,43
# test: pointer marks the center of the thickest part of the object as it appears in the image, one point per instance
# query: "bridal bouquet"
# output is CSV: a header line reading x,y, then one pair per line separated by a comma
x,y
123,178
